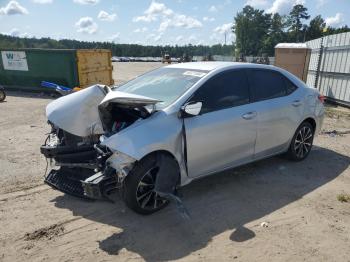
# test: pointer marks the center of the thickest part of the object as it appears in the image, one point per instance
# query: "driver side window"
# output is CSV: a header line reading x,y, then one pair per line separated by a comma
x,y
225,90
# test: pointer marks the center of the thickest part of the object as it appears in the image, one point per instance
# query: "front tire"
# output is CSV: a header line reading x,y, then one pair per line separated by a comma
x,y
2,95
301,143
138,190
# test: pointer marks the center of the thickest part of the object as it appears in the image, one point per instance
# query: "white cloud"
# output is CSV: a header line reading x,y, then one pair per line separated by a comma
x,y
15,32
335,21
13,8
114,38
141,30
153,11
86,25
158,37
225,28
179,38
283,7
25,35
220,32
104,16
168,17
86,2
257,3
42,1
179,21
208,19
152,38
213,9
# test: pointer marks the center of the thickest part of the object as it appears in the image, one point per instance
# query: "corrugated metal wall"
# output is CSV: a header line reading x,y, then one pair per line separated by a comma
x,y
329,67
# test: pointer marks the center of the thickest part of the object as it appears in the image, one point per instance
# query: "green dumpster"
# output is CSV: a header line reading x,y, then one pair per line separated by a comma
x,y
24,69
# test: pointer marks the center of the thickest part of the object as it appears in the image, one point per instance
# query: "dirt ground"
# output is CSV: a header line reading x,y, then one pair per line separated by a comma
x,y
272,210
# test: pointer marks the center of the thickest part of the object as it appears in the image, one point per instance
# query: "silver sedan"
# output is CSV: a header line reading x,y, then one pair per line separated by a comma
x,y
175,124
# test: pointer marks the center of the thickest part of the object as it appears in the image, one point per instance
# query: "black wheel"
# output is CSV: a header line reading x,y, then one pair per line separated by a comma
x,y
2,95
301,144
138,190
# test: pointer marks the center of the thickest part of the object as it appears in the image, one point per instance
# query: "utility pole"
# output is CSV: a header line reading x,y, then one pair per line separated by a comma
x,y
225,37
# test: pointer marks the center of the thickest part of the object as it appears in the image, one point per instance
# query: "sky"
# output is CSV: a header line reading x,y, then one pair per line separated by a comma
x,y
149,22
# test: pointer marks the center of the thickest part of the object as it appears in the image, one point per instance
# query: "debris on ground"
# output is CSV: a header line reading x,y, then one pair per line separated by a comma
x,y
264,224
343,198
46,232
334,133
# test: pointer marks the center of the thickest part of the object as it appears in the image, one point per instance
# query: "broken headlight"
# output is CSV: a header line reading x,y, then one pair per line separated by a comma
x,y
122,163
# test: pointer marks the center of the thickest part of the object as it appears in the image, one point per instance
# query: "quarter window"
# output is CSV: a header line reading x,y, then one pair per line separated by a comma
x,y
289,86
228,89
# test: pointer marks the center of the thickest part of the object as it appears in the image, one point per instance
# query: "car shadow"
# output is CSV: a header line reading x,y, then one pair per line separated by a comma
x,y
220,203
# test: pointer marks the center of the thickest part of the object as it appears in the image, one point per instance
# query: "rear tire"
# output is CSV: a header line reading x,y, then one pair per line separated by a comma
x,y
301,143
138,190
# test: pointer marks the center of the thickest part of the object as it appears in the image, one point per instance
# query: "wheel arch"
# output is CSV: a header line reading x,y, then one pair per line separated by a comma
x,y
311,121
168,153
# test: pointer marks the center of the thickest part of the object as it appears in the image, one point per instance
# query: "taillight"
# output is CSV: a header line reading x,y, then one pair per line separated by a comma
x,y
322,98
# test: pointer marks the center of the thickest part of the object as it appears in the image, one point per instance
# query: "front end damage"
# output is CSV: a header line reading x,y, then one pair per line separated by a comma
x,y
81,165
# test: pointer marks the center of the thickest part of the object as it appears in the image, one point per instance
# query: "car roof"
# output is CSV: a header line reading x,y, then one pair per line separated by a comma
x,y
209,66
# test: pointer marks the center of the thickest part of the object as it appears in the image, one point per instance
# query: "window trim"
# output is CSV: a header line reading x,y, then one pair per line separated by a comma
x,y
284,78
244,70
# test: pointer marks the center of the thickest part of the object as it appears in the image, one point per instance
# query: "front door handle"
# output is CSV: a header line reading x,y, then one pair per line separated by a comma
x,y
296,103
249,115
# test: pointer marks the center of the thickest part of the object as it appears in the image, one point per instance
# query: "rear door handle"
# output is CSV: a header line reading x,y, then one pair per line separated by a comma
x,y
296,103
249,115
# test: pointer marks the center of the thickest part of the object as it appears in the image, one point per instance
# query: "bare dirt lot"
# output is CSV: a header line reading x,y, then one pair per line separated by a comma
x,y
304,221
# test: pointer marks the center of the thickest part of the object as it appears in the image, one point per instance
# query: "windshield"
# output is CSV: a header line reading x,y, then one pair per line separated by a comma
x,y
164,84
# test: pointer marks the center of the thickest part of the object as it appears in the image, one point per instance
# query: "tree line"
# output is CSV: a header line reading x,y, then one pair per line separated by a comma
x,y
258,32
129,50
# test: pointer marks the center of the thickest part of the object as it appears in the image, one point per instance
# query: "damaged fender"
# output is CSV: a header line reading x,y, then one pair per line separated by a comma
x,y
164,133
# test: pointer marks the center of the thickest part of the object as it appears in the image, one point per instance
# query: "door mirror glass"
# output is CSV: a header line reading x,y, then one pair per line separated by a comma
x,y
192,109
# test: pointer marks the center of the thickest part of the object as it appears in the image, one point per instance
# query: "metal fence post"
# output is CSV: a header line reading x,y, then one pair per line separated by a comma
x,y
320,54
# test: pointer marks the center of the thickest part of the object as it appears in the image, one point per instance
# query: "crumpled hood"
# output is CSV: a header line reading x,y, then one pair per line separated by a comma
x,y
78,113
127,99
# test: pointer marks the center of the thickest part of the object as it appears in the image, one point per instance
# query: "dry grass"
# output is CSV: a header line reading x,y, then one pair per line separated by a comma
x,y
343,198
337,111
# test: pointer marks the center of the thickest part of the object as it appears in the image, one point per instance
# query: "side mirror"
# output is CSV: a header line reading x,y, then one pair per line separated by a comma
x,y
191,109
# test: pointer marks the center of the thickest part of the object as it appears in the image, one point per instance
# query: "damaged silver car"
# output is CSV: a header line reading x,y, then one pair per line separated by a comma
x,y
181,122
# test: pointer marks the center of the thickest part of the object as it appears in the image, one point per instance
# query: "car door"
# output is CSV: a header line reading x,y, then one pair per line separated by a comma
x,y
279,107
224,132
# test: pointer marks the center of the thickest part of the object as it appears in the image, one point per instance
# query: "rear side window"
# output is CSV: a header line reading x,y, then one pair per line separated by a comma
x,y
289,86
267,84
228,89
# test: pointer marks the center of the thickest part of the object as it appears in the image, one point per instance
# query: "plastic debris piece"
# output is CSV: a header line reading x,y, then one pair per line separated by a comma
x,y
264,224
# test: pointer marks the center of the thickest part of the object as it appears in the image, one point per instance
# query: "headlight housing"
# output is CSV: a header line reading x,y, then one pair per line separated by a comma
x,y
121,162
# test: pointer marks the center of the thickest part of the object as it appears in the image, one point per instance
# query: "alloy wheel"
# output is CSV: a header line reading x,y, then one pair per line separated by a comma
x,y
146,197
303,142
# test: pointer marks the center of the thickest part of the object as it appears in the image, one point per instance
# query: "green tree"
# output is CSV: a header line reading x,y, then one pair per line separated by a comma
x,y
251,28
276,34
315,29
295,21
